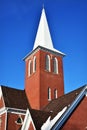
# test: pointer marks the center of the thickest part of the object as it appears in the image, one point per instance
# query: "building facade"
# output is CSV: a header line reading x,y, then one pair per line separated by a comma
x,y
43,105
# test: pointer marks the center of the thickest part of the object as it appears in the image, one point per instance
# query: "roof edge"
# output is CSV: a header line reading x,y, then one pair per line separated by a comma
x,y
67,113
56,52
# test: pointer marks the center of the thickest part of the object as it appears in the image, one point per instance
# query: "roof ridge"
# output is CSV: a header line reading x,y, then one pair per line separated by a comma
x,y
8,87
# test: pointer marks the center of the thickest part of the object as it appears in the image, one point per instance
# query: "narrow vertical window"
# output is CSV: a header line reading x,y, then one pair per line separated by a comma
x,y
29,68
47,64
55,65
34,64
55,93
49,94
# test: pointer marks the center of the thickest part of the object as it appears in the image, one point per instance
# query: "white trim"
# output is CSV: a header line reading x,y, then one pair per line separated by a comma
x,y
61,121
34,64
21,120
2,96
55,93
12,110
49,94
27,121
29,68
16,111
6,121
0,92
3,110
55,66
47,63
49,123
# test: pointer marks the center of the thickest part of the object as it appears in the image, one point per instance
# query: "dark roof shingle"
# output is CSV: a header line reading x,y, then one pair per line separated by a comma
x,y
39,117
56,105
15,98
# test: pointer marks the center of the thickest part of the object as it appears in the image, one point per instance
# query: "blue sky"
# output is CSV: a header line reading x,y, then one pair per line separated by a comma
x,y
19,20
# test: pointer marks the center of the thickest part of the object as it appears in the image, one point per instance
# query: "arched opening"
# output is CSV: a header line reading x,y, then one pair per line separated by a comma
x,y
29,68
47,63
55,65
34,64
55,93
49,94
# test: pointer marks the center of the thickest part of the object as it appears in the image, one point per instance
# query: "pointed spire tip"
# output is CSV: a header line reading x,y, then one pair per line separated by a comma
x,y
43,9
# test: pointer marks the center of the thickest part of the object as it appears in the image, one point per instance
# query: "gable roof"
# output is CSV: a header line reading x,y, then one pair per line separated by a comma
x,y
15,98
39,117
81,93
53,108
56,105
68,101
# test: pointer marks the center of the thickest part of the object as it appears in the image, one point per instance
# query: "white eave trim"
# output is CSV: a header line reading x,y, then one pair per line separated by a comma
x,y
1,95
16,111
3,110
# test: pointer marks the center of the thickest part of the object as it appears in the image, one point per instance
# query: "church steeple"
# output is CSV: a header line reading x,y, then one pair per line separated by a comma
x,y
44,69
43,37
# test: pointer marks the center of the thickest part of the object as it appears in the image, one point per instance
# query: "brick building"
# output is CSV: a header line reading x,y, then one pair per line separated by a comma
x,y
42,105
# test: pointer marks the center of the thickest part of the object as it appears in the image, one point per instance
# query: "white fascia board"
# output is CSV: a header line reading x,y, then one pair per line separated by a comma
x,y
1,95
49,123
3,110
65,116
86,91
6,121
16,111
27,120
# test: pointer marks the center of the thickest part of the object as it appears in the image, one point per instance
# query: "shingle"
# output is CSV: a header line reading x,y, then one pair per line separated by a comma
x,y
39,117
56,105
15,98
53,108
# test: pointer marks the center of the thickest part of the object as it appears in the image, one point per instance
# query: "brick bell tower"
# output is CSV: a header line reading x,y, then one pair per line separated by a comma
x,y
44,69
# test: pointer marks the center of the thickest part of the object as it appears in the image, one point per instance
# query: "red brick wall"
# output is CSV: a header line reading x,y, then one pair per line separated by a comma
x,y
11,119
49,79
1,103
32,83
3,121
78,119
31,126
36,86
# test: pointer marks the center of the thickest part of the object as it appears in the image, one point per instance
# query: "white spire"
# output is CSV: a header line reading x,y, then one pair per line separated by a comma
x,y
43,37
